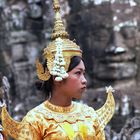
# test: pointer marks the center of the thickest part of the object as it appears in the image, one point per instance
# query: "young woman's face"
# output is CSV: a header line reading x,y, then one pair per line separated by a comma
x,y
75,84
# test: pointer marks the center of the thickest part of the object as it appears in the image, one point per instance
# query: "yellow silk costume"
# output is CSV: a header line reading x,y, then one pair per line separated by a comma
x,y
49,122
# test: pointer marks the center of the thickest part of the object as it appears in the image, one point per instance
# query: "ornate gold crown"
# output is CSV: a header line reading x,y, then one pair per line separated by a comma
x,y
59,52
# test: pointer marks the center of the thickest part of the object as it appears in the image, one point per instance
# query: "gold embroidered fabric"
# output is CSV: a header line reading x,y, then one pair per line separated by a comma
x,y
49,122
42,123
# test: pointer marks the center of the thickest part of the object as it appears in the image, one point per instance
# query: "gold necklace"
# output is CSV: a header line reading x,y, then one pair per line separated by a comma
x,y
59,109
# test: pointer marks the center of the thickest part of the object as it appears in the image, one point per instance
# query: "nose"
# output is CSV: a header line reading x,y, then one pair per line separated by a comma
x,y
84,80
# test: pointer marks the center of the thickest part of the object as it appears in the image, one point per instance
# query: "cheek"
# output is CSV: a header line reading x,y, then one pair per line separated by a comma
x,y
73,82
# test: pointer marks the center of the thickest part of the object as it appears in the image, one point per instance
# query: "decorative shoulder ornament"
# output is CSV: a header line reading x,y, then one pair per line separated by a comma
x,y
106,112
59,52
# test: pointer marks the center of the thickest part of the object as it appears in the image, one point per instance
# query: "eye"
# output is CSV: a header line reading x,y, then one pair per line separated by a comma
x,y
78,72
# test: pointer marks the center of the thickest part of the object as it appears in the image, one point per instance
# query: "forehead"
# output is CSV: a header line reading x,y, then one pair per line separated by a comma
x,y
80,66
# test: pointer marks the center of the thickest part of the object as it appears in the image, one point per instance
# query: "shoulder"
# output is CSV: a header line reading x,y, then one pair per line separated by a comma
x,y
35,114
85,109
89,113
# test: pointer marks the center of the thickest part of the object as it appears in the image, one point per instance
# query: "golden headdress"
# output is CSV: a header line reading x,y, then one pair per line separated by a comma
x,y
59,52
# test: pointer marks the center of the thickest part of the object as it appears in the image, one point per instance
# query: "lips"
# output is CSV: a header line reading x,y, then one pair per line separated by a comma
x,y
83,88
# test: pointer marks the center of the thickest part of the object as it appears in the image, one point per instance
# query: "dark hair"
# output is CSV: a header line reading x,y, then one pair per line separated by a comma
x,y
75,60
47,86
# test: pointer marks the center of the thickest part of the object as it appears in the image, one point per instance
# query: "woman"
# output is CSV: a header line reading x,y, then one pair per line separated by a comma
x,y
59,118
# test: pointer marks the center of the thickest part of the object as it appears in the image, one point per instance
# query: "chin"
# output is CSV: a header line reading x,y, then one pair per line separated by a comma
x,y
78,97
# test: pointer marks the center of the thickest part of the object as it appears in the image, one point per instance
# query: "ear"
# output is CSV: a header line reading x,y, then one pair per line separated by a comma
x,y
56,82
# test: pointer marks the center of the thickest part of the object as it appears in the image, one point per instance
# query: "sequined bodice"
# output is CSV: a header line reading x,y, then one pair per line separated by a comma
x,y
50,122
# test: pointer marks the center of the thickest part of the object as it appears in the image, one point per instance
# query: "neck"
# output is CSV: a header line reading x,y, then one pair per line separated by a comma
x,y
60,100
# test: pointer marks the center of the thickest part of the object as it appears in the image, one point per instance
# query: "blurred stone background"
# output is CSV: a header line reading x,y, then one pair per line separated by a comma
x,y
108,32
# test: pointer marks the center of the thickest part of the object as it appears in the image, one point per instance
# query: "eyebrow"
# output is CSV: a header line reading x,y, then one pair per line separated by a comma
x,y
81,69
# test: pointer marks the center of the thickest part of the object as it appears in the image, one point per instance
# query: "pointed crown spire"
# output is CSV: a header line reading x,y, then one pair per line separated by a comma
x,y
59,29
